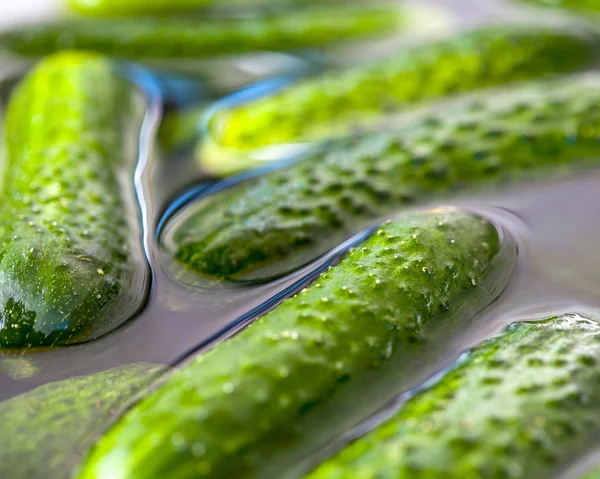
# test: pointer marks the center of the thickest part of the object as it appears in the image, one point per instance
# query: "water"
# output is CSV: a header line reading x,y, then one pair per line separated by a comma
x,y
558,269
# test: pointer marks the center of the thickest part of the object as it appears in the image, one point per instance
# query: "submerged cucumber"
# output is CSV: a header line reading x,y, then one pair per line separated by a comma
x,y
524,405
295,214
45,430
71,265
336,102
184,37
318,363
119,8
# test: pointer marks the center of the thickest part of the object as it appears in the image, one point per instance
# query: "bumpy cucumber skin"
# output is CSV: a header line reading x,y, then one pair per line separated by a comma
x,y
337,101
318,363
185,38
524,405
303,210
68,263
44,430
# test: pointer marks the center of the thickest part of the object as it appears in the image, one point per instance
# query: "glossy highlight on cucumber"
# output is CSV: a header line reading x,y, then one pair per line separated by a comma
x,y
45,430
71,260
523,405
320,362
148,38
340,101
282,220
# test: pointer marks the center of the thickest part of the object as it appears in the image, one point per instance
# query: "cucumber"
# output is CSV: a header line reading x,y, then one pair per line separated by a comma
x,y
44,430
340,101
121,8
582,5
595,474
524,405
320,362
282,220
71,264
180,128
148,38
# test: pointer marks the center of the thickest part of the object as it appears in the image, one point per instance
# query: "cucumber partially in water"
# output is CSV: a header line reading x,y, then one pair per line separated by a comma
x,y
71,260
45,430
340,101
287,218
148,38
523,405
318,363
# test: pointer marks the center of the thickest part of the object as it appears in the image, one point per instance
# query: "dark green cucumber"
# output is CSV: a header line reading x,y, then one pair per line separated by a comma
x,y
71,261
339,101
318,363
286,218
524,405
121,8
45,430
201,37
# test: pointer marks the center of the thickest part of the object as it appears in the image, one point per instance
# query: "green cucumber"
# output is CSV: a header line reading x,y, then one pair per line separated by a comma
x,y
44,430
338,102
71,260
595,474
180,127
148,38
581,5
318,363
287,218
121,8
523,405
